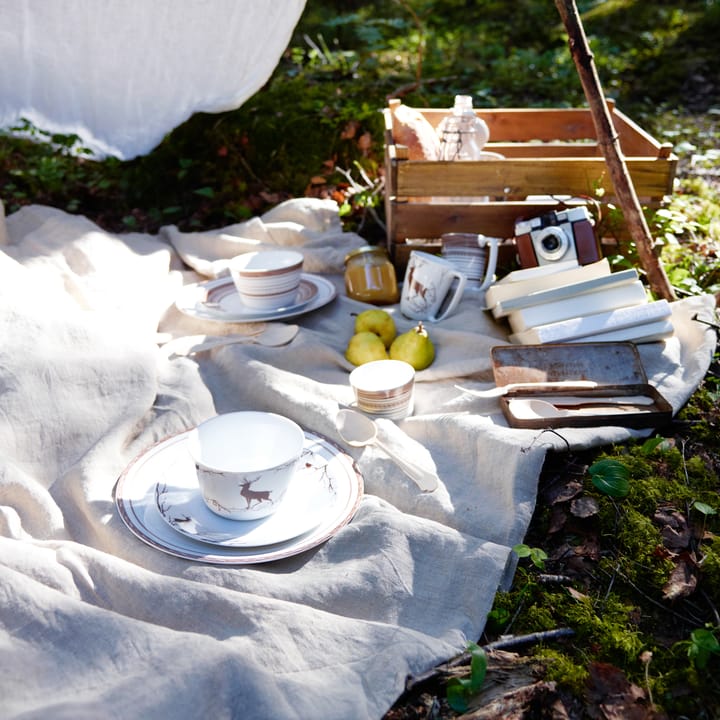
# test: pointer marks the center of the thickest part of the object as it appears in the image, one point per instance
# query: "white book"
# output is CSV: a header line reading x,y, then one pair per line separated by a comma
x,y
564,292
592,326
592,303
648,332
543,277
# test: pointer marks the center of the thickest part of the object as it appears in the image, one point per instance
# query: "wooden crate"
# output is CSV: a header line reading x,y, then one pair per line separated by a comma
x,y
549,153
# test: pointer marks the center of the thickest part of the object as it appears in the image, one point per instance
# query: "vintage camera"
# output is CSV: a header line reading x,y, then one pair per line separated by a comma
x,y
557,236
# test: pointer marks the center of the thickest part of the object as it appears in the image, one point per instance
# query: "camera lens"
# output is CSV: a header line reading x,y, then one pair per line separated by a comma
x,y
550,243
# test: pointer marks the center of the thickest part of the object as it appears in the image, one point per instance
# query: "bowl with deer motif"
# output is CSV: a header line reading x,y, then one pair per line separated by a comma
x,y
245,462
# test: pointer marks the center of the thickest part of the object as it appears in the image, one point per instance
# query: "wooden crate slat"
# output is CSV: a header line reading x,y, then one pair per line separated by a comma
x,y
496,219
523,124
544,149
524,176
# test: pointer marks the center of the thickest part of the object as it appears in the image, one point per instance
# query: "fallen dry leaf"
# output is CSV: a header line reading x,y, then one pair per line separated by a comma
x,y
563,493
611,696
584,507
683,579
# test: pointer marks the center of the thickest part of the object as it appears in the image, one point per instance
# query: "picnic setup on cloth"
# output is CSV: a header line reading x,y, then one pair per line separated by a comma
x,y
115,347
122,593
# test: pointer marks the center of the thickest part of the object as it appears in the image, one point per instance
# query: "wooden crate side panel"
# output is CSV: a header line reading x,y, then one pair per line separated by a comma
x,y
636,141
560,127
420,225
544,149
525,176
429,221
525,124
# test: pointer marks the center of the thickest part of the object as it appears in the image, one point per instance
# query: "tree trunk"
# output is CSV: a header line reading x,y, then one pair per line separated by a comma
x,y
610,147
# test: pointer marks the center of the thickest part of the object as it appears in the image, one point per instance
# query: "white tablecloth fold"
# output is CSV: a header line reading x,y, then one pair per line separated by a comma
x,y
94,623
121,74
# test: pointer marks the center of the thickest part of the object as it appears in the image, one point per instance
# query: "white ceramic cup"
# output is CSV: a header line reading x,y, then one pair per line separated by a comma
x,y
245,462
432,289
269,279
473,254
384,388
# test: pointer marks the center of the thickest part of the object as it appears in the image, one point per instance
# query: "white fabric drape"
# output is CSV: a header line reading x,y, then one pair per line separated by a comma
x,y
123,73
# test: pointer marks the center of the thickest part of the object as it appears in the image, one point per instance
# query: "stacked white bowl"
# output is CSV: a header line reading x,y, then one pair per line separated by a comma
x,y
384,388
267,280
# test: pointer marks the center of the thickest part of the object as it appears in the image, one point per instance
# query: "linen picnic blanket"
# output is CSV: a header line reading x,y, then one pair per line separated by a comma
x,y
95,622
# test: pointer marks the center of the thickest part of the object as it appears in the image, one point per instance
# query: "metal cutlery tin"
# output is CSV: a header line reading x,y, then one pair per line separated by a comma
x,y
616,367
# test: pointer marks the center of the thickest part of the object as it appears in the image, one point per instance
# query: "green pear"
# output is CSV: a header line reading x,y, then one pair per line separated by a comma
x,y
364,347
379,322
414,347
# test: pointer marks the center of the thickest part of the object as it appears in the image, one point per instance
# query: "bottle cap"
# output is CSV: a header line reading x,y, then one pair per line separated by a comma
x,y
463,102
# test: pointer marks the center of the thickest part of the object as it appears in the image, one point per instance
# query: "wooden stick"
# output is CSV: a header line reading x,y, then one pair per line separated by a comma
x,y
464,659
609,142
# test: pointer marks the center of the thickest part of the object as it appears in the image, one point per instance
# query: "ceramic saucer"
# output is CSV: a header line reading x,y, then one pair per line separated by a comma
x,y
219,300
332,473
181,505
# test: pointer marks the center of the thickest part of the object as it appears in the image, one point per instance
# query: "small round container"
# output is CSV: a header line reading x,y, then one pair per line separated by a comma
x,y
370,276
384,388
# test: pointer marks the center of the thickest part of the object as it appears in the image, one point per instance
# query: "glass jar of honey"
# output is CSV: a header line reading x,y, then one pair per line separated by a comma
x,y
370,276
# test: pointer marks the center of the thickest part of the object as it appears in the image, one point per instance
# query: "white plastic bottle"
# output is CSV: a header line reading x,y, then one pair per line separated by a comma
x,y
462,136
462,133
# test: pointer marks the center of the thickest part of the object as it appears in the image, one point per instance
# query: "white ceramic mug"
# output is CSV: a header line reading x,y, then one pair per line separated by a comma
x,y
432,289
475,255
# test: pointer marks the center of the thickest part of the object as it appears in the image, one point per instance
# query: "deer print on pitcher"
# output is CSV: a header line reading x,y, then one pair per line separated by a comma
x,y
432,289
420,296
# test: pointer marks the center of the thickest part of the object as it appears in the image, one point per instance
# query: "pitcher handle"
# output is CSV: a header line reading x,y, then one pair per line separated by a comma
x,y
457,296
492,259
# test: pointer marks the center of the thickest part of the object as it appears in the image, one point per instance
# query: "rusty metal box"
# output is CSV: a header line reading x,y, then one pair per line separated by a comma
x,y
621,394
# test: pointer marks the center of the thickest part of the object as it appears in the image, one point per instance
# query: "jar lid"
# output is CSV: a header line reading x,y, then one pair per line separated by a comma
x,y
366,249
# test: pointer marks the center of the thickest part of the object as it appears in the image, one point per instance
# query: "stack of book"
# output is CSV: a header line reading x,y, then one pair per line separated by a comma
x,y
567,302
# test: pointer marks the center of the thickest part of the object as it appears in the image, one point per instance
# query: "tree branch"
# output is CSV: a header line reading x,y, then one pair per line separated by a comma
x,y
609,143
464,659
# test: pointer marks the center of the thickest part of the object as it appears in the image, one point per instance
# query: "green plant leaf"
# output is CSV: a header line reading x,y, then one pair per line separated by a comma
x,y
538,557
478,667
456,695
703,644
499,616
460,689
610,477
704,508
651,444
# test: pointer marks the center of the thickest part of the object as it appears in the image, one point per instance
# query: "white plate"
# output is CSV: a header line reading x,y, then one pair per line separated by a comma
x,y
219,300
330,470
303,506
